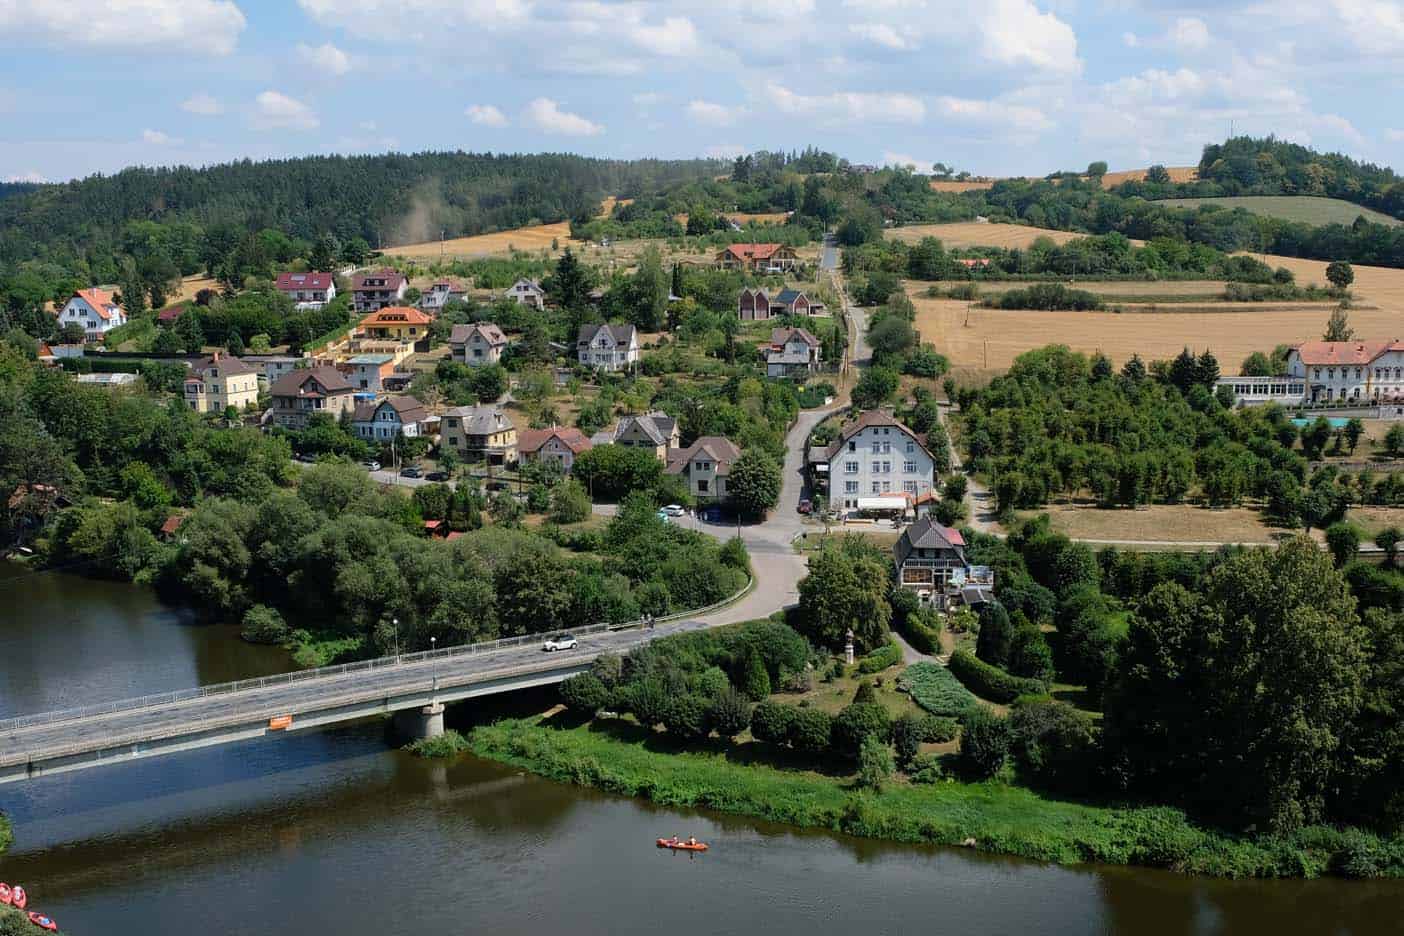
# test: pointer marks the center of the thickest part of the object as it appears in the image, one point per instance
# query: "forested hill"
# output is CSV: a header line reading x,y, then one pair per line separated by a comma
x,y
385,199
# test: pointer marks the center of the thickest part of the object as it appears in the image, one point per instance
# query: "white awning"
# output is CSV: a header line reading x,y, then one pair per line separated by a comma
x,y
882,503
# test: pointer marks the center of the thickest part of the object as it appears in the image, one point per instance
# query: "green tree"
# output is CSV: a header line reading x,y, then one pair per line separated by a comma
x,y
753,484
1343,540
875,387
1352,432
858,722
570,503
843,591
729,713
1340,274
996,635
686,716
1338,326
771,721
585,693
1394,440
907,735
1158,175
875,766
985,740
811,731
263,625
755,679
1388,542
1096,170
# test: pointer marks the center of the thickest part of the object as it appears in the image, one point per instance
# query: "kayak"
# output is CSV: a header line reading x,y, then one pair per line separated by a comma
x,y
4,894
43,922
678,845
19,898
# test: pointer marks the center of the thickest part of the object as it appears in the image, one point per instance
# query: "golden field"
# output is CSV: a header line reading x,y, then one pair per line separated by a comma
x,y
531,239
958,187
1177,174
978,234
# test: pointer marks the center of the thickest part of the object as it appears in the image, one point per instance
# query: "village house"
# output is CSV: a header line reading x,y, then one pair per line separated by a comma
x,y
793,352
307,290
555,444
302,393
93,309
394,330
477,344
273,366
757,258
705,464
440,293
368,371
219,382
1367,373
757,305
377,290
387,419
608,347
527,292
656,431
876,455
929,560
480,433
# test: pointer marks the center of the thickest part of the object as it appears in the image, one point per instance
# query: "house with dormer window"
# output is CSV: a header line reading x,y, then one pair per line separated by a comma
x,y
608,347
705,464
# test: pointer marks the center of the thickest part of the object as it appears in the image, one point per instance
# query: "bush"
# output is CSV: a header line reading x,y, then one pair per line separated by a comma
x,y
771,722
686,716
756,680
858,722
729,714
996,635
264,625
865,693
811,731
608,668
1046,297
711,682
984,743
922,629
1054,745
570,503
889,654
935,689
907,738
1029,653
448,744
585,694
926,769
875,765
648,699
936,729
991,682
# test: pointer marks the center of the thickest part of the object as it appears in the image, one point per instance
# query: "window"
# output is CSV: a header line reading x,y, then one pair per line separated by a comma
x,y
702,485
850,467
853,446
909,467
911,446
909,486
886,487
877,487
850,487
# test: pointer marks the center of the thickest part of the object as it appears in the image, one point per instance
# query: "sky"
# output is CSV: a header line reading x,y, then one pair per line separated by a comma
x,y
996,87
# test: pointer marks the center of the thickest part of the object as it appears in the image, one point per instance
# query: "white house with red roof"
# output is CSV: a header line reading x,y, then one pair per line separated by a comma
x,y
378,289
758,258
307,290
95,310
556,444
1366,373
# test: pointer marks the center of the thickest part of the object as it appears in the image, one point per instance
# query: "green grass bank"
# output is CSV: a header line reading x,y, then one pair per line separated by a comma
x,y
1001,818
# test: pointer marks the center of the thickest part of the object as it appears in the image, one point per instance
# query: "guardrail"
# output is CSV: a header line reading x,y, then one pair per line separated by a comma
x,y
333,672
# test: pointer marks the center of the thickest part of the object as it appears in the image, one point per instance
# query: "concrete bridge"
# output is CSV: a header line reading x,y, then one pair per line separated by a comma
x,y
417,685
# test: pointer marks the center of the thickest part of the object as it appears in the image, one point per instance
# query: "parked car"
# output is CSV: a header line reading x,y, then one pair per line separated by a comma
x,y
371,465
559,642
674,510
412,471
497,486
436,476
307,458
806,506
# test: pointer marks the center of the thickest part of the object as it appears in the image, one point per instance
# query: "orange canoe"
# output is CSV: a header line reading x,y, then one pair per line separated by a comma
x,y
679,845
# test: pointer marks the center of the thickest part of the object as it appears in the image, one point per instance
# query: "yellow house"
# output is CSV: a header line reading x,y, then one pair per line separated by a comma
x,y
396,323
219,382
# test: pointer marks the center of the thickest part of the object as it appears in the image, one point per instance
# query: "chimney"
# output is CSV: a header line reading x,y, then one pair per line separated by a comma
x,y
214,357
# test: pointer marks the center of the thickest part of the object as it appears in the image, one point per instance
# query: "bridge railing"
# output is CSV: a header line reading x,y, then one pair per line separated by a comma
x,y
332,672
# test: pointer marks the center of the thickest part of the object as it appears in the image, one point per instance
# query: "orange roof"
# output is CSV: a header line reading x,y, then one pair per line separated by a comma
x,y
396,315
531,440
172,524
1344,352
753,251
100,299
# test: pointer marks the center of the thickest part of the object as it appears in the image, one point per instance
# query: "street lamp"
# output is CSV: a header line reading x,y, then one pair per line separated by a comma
x,y
396,622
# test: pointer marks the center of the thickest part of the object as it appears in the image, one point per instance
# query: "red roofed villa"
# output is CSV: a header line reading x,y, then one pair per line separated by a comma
x,y
307,290
95,310
758,258
1365,373
560,444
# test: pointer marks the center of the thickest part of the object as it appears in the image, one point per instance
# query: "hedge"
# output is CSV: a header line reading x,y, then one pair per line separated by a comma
x,y
922,636
991,682
935,689
889,654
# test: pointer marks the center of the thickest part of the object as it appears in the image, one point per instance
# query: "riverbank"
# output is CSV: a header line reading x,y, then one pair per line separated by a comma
x,y
618,757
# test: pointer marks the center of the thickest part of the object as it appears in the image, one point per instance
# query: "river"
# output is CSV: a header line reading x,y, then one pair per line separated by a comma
x,y
335,832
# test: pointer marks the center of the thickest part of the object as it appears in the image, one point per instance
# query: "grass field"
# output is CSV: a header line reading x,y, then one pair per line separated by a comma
x,y
1305,208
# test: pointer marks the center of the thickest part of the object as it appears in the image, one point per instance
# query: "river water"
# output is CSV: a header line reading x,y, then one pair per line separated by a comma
x,y
336,832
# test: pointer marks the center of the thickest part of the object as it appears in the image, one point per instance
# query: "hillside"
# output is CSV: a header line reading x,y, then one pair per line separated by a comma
x,y
1308,209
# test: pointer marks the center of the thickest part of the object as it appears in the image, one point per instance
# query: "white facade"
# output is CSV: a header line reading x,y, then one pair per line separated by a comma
x,y
384,425
1379,377
879,459
609,348
527,292
94,311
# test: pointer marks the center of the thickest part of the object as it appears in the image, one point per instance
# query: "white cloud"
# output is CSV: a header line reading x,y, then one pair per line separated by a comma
x,y
675,36
884,35
1376,26
32,175
486,115
202,104
1394,136
418,20
1129,40
274,110
158,138
1022,119
546,115
849,105
1015,33
715,115
209,27
903,161
326,58
1188,34
724,151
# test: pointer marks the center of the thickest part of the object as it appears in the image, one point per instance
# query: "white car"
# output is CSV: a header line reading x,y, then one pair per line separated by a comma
x,y
559,642
674,510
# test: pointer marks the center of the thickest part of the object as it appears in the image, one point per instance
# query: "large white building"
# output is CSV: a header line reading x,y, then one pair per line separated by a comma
x,y
876,455
1366,373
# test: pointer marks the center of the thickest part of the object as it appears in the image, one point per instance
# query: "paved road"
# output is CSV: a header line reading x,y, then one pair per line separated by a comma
x,y
829,254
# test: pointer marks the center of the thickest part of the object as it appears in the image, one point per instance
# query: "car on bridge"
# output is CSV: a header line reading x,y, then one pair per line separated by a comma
x,y
371,465
559,642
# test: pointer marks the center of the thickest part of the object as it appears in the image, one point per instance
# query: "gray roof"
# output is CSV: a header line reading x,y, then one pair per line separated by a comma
x,y
719,449
622,334
788,296
291,383
481,420
493,335
926,533
657,426
231,366
408,408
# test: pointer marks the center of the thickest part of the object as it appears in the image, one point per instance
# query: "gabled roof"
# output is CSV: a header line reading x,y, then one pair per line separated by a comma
x,y
173,314
396,315
622,334
719,449
531,440
926,533
451,285
1327,353
291,383
530,283
287,282
658,426
489,332
481,420
101,300
752,251
872,418
393,279
788,296
407,408
779,337
230,366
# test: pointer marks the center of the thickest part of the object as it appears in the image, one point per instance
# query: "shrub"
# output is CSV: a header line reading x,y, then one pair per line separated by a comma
x,y
729,714
585,694
811,731
771,722
608,668
935,729
1047,297
711,682
570,503
875,765
996,635
984,743
858,722
448,744
648,699
922,630
781,647
1029,653
991,682
264,625
756,680
865,693
926,769
1054,745
935,689
686,716
889,654
906,738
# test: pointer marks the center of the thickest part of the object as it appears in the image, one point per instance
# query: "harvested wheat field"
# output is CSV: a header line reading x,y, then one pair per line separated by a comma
x,y
608,205
1161,523
979,234
742,217
1177,174
951,185
189,286
531,239
1378,286
1204,289
995,337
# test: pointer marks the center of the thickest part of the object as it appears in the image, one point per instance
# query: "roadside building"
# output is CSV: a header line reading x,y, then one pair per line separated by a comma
x,y
557,444
219,382
793,352
705,464
387,419
1364,373
95,310
377,290
875,455
759,304
757,258
480,433
302,393
608,347
930,560
655,431
273,366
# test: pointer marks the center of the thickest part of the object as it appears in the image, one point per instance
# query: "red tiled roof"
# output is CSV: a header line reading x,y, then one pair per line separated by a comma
x,y
173,523
167,316
291,281
753,251
100,299
1345,352
531,440
392,279
396,315
453,536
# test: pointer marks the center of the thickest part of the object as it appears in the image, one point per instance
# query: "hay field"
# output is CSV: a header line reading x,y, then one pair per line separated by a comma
x,y
536,237
189,286
1177,174
981,185
1199,288
978,234
742,217
1304,208
1377,286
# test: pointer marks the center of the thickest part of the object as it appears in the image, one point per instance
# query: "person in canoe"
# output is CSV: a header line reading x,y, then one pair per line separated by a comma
x,y
692,841
4,894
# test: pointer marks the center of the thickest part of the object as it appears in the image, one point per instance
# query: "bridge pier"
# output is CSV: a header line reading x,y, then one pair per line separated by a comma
x,y
420,724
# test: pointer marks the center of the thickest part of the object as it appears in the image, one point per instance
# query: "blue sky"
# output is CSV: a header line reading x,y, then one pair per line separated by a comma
x,y
993,86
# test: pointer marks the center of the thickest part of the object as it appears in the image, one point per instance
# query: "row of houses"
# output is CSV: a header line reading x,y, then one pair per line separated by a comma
x,y
758,305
